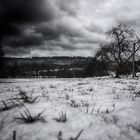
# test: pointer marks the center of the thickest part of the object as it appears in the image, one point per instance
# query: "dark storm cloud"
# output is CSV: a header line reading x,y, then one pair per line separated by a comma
x,y
20,51
53,31
25,40
17,13
49,32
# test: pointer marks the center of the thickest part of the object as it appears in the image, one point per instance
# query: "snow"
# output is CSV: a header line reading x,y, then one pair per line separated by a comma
x,y
104,108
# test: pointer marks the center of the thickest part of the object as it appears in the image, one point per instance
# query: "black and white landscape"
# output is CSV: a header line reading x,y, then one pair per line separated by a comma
x,y
69,70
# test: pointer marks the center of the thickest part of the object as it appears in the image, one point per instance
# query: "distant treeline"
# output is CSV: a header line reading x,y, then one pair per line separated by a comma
x,y
59,67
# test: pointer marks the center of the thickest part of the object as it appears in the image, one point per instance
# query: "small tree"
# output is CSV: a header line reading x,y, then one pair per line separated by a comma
x,y
103,59
96,68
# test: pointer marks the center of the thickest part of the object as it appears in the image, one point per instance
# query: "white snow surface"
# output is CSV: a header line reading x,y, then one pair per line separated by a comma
x,y
104,108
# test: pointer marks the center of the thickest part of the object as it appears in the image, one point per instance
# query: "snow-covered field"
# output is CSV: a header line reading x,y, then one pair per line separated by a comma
x,y
73,109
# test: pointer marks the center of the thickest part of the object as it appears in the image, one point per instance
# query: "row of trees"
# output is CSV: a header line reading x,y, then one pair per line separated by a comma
x,y
122,47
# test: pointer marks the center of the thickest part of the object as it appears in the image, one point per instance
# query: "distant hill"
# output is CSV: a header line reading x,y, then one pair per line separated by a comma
x,y
46,66
48,60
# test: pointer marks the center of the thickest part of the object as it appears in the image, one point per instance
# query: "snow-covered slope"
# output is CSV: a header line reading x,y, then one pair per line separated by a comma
x,y
92,108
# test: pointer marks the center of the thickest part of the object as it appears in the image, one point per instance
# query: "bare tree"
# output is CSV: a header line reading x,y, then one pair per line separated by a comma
x,y
122,46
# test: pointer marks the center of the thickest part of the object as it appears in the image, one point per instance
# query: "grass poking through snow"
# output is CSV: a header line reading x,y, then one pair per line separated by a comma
x,y
27,117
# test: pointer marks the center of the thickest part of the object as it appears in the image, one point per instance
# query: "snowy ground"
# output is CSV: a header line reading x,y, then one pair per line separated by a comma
x,y
95,109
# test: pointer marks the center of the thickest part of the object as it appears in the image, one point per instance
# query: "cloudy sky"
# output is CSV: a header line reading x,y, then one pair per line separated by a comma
x,y
61,27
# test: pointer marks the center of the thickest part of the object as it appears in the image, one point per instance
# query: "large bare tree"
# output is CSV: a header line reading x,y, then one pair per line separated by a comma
x,y
123,45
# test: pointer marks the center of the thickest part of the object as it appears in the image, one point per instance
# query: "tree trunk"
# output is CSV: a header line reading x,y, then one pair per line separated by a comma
x,y
117,72
101,68
133,66
117,75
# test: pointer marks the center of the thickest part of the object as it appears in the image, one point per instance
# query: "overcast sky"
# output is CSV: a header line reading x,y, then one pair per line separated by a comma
x,y
61,27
